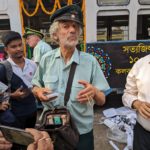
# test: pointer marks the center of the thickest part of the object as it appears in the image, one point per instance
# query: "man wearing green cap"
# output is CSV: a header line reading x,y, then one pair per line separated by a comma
x,y
89,84
34,40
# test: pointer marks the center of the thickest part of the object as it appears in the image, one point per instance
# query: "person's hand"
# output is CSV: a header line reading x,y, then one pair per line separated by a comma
x,y
20,93
4,105
42,140
87,94
41,93
4,144
143,108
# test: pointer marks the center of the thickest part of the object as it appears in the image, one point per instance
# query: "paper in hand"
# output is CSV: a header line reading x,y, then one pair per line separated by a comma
x,y
3,87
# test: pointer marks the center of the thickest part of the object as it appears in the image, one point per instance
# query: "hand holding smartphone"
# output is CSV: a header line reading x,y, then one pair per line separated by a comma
x,y
16,135
52,95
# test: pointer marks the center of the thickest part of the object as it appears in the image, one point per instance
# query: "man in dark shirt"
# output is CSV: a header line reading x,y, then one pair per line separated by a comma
x,y
22,101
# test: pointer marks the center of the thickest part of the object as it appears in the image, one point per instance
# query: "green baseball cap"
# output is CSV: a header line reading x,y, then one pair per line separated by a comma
x,y
68,13
29,31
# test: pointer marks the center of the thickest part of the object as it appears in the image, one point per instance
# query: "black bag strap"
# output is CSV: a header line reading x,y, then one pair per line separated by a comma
x,y
9,72
69,83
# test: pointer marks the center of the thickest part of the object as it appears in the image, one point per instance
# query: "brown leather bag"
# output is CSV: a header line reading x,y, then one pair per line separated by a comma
x,y
61,128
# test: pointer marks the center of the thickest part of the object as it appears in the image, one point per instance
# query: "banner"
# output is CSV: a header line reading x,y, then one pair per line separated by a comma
x,y
117,58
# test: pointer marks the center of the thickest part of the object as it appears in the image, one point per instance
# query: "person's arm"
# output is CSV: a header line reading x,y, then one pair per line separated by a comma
x,y
92,90
4,144
142,107
4,105
100,84
42,140
90,93
130,96
99,97
40,93
20,93
131,90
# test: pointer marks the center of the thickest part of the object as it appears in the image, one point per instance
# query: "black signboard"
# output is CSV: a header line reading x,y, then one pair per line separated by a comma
x,y
117,58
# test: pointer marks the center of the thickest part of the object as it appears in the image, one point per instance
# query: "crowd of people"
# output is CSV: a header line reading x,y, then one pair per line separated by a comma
x,y
50,74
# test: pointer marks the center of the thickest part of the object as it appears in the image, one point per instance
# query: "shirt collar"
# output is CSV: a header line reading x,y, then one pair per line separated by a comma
x,y
14,64
75,57
58,54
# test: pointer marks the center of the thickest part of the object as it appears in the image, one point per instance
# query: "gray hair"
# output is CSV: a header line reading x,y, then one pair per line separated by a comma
x,y
53,30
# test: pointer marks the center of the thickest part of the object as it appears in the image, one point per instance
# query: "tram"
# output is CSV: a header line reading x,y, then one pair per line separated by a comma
x,y
117,34
105,20
113,20
113,29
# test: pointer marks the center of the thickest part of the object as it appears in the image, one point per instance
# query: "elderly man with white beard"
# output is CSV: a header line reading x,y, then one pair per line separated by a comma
x,y
89,84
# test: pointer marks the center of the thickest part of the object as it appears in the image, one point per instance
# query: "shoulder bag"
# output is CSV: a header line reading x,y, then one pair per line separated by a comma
x,y
59,123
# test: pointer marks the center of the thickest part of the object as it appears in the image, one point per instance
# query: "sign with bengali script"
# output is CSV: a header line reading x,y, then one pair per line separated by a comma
x,y
117,58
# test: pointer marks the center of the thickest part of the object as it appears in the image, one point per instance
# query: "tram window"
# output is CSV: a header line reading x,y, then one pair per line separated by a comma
x,y
143,27
113,2
112,28
144,2
4,25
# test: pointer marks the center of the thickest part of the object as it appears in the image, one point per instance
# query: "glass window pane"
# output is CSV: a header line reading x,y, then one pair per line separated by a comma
x,y
112,28
102,34
4,26
144,1
113,2
143,27
119,33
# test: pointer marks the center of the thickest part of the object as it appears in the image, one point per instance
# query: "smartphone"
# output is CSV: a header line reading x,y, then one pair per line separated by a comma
x,y
52,95
15,135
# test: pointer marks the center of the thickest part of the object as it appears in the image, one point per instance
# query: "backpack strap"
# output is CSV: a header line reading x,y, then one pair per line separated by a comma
x,y
9,72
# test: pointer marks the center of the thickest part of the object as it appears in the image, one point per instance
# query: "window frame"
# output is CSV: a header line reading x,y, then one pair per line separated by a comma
x,y
114,14
4,17
143,3
111,4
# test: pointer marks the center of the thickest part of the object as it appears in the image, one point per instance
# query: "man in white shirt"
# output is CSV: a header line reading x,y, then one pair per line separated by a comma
x,y
137,96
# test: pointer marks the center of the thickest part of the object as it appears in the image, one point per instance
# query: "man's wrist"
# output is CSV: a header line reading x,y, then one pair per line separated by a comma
x,y
12,95
96,92
35,90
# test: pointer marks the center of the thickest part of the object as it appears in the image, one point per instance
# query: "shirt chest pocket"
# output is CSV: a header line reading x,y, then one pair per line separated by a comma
x,y
51,82
76,88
